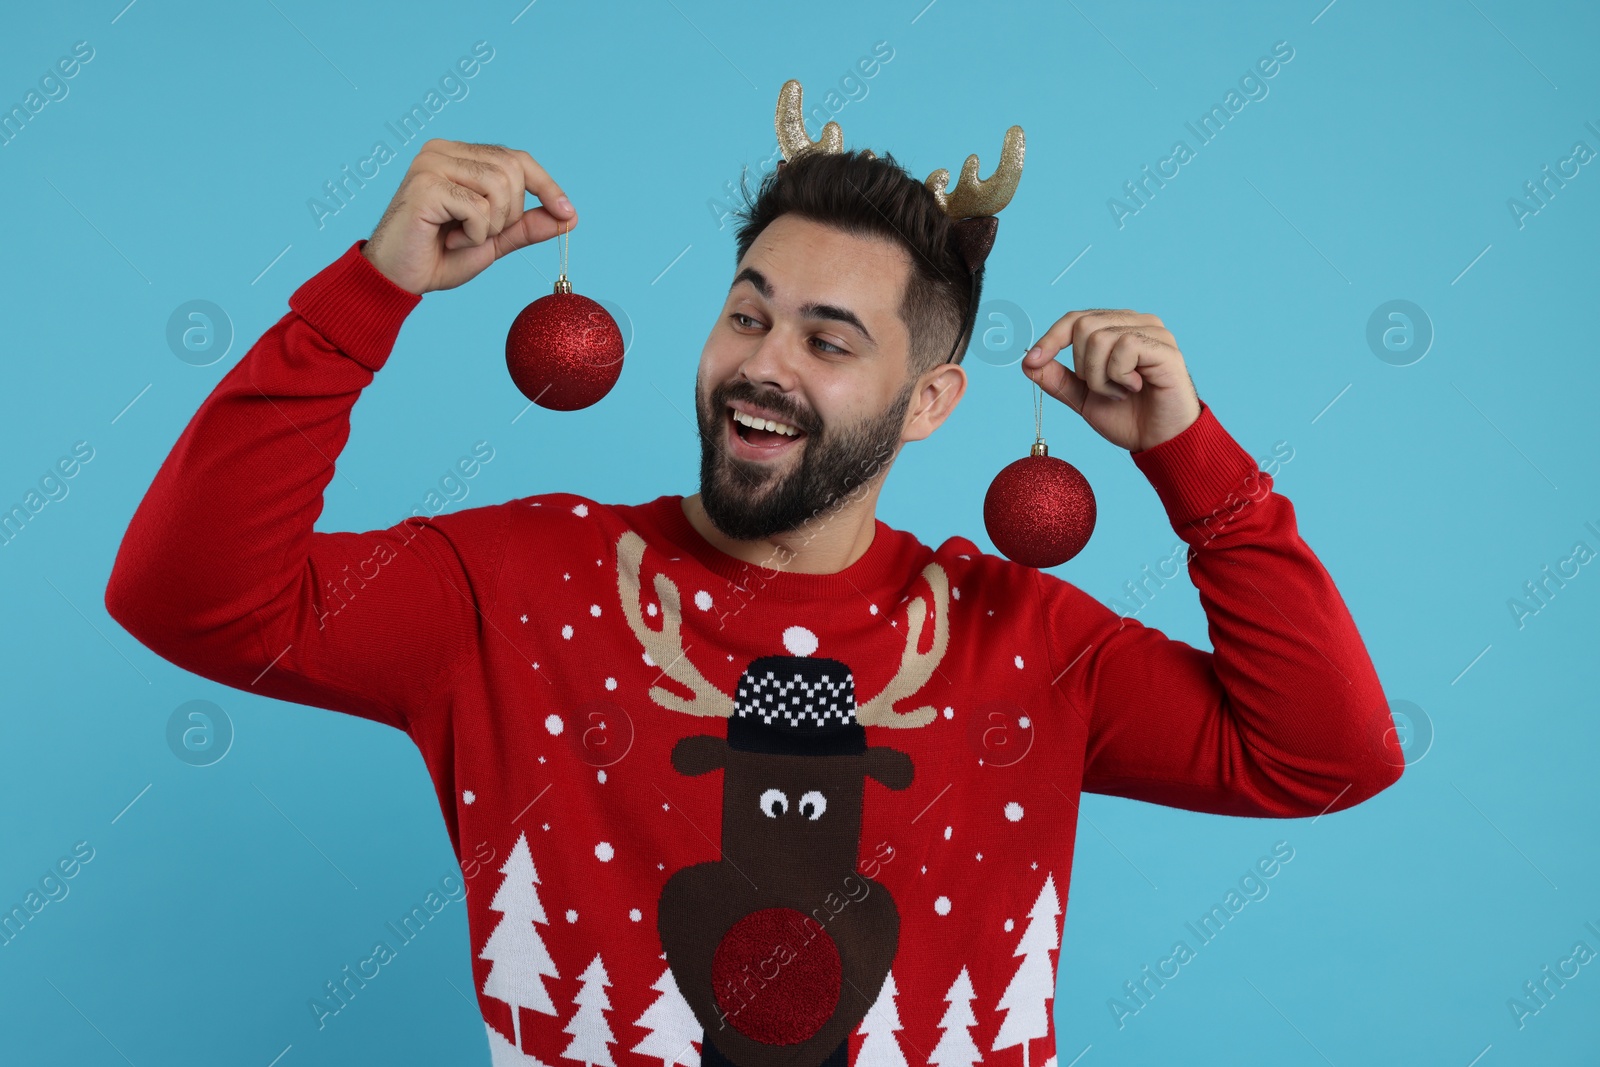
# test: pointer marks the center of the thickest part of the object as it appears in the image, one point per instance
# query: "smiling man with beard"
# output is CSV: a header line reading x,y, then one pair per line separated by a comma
x,y
758,484
752,500
708,789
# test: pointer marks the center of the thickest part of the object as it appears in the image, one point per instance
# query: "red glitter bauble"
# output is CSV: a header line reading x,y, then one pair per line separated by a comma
x,y
564,351
772,996
1039,511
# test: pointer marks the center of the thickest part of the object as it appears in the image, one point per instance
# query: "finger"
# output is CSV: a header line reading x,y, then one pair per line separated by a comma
x,y
522,175
489,180
457,237
1071,328
501,184
535,225
1160,334
469,208
1053,340
1116,355
1158,347
1110,363
1093,338
1122,361
534,179
1055,379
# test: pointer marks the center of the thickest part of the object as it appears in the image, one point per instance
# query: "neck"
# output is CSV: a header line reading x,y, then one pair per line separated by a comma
x,y
826,545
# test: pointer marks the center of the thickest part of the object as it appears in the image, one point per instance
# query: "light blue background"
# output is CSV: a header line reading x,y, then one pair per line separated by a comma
x,y
1378,167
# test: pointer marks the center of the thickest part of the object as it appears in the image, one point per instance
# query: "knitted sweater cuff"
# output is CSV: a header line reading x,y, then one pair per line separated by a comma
x,y
1201,471
356,307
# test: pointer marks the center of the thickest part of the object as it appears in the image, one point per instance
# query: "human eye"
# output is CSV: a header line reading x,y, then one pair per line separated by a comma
x,y
737,315
836,349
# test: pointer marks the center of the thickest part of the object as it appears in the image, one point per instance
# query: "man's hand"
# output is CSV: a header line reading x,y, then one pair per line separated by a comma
x,y
458,209
1128,379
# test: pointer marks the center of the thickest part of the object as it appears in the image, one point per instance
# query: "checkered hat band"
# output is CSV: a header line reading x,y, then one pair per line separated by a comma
x,y
797,693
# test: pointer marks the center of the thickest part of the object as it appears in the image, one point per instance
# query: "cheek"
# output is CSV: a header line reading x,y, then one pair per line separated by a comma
x,y
844,399
708,378
720,357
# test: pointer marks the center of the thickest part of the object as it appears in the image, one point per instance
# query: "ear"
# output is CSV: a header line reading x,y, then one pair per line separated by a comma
x,y
934,398
976,238
699,754
889,766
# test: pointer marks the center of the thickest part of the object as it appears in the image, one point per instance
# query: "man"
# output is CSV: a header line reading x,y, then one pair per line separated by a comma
x,y
749,777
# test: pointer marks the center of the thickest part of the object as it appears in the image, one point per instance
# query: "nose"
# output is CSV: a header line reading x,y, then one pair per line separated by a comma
x,y
772,364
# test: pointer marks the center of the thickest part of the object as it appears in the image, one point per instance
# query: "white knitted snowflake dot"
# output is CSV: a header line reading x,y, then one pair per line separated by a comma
x,y
799,641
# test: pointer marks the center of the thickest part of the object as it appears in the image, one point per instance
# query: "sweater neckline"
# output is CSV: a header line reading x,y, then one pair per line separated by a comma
x,y
867,574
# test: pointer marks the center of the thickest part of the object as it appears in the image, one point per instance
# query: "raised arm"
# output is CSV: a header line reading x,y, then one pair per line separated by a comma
x,y
1285,717
221,571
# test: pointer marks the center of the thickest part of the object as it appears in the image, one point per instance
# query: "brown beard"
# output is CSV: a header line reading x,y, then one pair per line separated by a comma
x,y
749,501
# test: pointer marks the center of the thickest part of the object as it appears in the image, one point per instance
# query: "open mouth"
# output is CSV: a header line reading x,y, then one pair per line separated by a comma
x,y
752,442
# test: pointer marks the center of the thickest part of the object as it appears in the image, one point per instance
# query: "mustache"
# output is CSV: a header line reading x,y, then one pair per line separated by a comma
x,y
776,402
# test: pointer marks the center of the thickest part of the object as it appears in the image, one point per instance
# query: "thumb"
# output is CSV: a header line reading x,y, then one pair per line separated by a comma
x,y
1055,379
536,225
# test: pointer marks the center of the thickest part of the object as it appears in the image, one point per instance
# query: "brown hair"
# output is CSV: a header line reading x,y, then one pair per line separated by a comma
x,y
877,197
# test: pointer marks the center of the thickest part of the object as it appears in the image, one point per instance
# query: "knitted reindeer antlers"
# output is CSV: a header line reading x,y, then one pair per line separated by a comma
x,y
972,204
670,653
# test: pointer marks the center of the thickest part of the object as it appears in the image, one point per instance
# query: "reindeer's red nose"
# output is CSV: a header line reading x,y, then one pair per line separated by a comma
x,y
777,976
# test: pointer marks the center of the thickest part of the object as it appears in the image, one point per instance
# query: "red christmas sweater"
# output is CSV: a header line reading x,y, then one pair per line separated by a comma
x,y
711,812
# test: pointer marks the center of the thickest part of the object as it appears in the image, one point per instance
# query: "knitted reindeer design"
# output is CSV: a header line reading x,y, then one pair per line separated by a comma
x,y
776,971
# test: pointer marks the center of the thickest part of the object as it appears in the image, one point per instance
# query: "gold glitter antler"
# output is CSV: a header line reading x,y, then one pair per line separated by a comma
x,y
791,124
975,197
972,204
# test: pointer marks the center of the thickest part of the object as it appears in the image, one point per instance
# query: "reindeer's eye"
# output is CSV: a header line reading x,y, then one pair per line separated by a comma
x,y
774,803
813,804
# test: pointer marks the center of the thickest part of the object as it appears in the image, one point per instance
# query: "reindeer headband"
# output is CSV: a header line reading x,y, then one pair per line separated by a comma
x,y
974,204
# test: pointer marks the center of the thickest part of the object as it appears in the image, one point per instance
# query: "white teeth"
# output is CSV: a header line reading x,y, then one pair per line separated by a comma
x,y
766,424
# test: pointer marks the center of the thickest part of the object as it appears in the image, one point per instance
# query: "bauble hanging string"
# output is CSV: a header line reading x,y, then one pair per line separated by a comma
x,y
564,351
1040,510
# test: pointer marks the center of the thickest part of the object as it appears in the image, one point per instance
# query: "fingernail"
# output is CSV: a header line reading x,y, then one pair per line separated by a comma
x,y
1034,351
565,205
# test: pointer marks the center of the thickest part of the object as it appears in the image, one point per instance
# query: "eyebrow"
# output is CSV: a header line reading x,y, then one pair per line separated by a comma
x,y
811,311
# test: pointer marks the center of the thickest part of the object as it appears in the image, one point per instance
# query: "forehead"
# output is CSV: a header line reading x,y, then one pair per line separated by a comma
x,y
808,262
